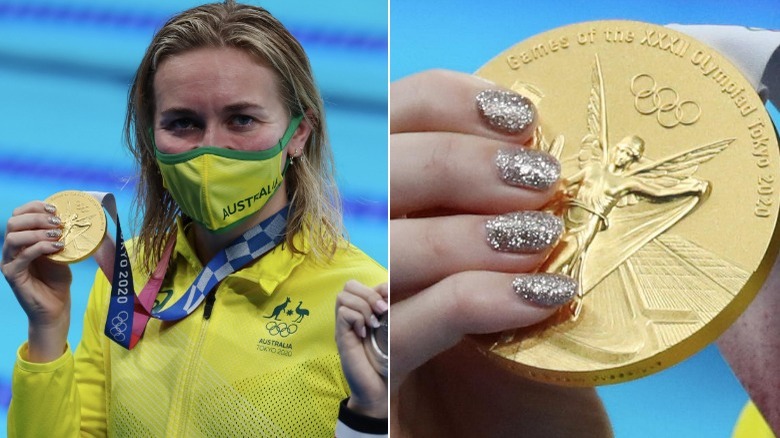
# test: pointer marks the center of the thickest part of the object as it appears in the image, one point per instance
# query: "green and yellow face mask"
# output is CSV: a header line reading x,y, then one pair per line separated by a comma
x,y
219,188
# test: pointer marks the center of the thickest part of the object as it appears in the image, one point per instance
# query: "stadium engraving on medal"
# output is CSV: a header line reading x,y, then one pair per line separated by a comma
x,y
83,225
670,200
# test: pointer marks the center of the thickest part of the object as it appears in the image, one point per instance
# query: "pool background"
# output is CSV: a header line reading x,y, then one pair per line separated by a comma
x,y
699,397
65,69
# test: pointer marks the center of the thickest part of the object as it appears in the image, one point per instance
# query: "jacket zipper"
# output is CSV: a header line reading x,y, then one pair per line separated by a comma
x,y
209,306
193,365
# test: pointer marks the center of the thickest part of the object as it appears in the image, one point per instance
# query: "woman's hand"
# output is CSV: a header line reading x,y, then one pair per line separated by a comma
x,y
356,309
466,237
41,286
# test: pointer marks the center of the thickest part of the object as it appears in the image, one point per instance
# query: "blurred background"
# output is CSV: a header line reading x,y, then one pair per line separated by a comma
x,y
65,69
699,397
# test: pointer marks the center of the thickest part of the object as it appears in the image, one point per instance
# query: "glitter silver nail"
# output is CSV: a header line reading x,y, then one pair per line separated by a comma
x,y
524,232
54,233
49,208
505,111
528,168
546,290
54,220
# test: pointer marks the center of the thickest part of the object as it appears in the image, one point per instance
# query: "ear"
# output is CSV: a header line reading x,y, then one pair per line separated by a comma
x,y
295,147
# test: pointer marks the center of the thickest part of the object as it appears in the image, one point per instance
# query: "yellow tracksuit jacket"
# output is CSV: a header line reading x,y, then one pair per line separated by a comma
x,y
262,362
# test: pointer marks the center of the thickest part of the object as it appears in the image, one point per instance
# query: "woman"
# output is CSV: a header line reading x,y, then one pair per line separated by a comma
x,y
228,130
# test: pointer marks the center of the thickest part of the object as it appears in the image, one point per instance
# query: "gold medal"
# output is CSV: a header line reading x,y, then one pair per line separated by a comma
x,y
671,179
83,225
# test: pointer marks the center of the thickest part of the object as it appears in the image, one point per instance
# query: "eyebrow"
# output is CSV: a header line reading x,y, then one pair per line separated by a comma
x,y
242,106
235,107
176,112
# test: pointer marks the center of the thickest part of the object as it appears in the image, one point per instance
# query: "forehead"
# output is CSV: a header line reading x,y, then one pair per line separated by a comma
x,y
222,72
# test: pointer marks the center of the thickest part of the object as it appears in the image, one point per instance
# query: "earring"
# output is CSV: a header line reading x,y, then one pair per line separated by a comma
x,y
297,154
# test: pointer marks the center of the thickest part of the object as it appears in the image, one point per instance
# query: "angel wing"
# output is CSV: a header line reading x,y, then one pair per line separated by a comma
x,y
594,144
670,171
555,148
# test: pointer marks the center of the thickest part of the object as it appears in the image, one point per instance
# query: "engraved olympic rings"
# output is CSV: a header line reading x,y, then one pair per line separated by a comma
x,y
281,329
119,326
670,111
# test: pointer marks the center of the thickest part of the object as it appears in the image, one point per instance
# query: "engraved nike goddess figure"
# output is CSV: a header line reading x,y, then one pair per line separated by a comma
x,y
617,176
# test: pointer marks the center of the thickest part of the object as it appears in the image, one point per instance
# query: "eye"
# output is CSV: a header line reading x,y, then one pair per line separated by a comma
x,y
242,121
182,125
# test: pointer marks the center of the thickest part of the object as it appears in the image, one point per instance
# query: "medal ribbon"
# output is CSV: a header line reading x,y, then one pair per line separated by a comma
x,y
129,314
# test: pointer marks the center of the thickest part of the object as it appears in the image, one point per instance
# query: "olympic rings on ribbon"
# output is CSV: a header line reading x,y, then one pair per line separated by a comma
x,y
281,329
664,102
119,326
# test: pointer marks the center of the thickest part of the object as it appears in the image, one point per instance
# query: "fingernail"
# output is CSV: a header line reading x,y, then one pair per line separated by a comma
x,y
58,245
505,111
381,306
524,232
373,321
546,290
363,332
54,233
54,220
528,168
50,208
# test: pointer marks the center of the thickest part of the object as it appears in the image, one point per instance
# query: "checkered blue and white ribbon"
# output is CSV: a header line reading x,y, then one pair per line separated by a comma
x,y
128,314
247,247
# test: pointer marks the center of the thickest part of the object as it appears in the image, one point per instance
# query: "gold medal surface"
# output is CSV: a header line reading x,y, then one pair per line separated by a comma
x,y
83,225
671,181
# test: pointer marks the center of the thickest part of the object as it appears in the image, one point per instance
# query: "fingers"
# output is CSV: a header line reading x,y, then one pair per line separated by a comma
x,y
470,303
357,306
426,250
31,232
35,207
33,215
439,100
384,292
17,241
351,319
467,173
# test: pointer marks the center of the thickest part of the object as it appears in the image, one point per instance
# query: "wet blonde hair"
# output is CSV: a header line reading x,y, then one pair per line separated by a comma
x,y
311,186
